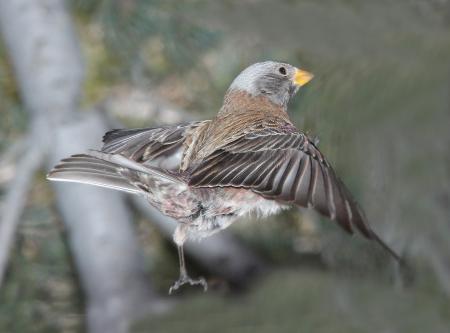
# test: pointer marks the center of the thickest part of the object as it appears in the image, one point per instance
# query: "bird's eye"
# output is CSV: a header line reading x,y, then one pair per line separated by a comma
x,y
282,70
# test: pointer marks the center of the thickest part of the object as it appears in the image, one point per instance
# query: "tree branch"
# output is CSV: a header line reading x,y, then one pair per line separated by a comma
x,y
45,53
100,233
8,158
16,198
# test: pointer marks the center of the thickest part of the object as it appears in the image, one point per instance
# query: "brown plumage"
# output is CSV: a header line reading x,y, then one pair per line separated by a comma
x,y
206,174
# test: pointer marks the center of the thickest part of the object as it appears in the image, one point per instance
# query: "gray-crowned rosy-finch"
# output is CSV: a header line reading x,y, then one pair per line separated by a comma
x,y
206,174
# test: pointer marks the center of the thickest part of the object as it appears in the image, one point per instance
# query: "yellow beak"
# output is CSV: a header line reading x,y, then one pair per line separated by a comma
x,y
302,77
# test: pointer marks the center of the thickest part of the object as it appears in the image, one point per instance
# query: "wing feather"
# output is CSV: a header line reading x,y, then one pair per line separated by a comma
x,y
319,197
145,144
286,167
302,189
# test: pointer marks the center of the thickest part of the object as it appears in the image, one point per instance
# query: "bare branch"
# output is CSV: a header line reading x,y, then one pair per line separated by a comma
x,y
15,201
8,158
46,56
100,233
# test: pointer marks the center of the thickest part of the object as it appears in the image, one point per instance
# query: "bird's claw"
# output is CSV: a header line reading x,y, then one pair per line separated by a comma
x,y
186,279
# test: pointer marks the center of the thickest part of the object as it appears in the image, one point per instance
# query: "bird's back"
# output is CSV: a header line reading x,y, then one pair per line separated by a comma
x,y
240,115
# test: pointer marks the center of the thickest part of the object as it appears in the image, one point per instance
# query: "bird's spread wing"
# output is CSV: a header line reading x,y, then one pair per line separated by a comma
x,y
287,167
146,144
121,164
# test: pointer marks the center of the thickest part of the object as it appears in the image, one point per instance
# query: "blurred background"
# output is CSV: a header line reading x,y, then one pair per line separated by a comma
x,y
379,103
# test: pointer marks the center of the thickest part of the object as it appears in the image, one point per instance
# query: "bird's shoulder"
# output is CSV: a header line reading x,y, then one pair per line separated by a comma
x,y
226,129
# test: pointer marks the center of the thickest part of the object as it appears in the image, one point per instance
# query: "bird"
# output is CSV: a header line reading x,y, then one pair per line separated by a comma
x,y
250,158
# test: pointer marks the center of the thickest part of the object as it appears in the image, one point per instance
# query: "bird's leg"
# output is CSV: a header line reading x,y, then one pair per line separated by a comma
x,y
183,271
184,277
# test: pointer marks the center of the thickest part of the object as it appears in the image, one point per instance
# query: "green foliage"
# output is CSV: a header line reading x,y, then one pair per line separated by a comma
x,y
13,117
149,37
308,301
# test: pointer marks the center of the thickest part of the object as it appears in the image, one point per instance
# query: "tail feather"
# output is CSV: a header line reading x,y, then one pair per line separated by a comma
x,y
93,178
105,170
125,162
87,164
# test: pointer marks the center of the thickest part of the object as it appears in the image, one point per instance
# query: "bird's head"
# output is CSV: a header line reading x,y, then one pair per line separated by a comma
x,y
276,80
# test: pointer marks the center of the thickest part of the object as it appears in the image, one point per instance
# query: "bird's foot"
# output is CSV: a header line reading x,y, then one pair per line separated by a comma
x,y
186,279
